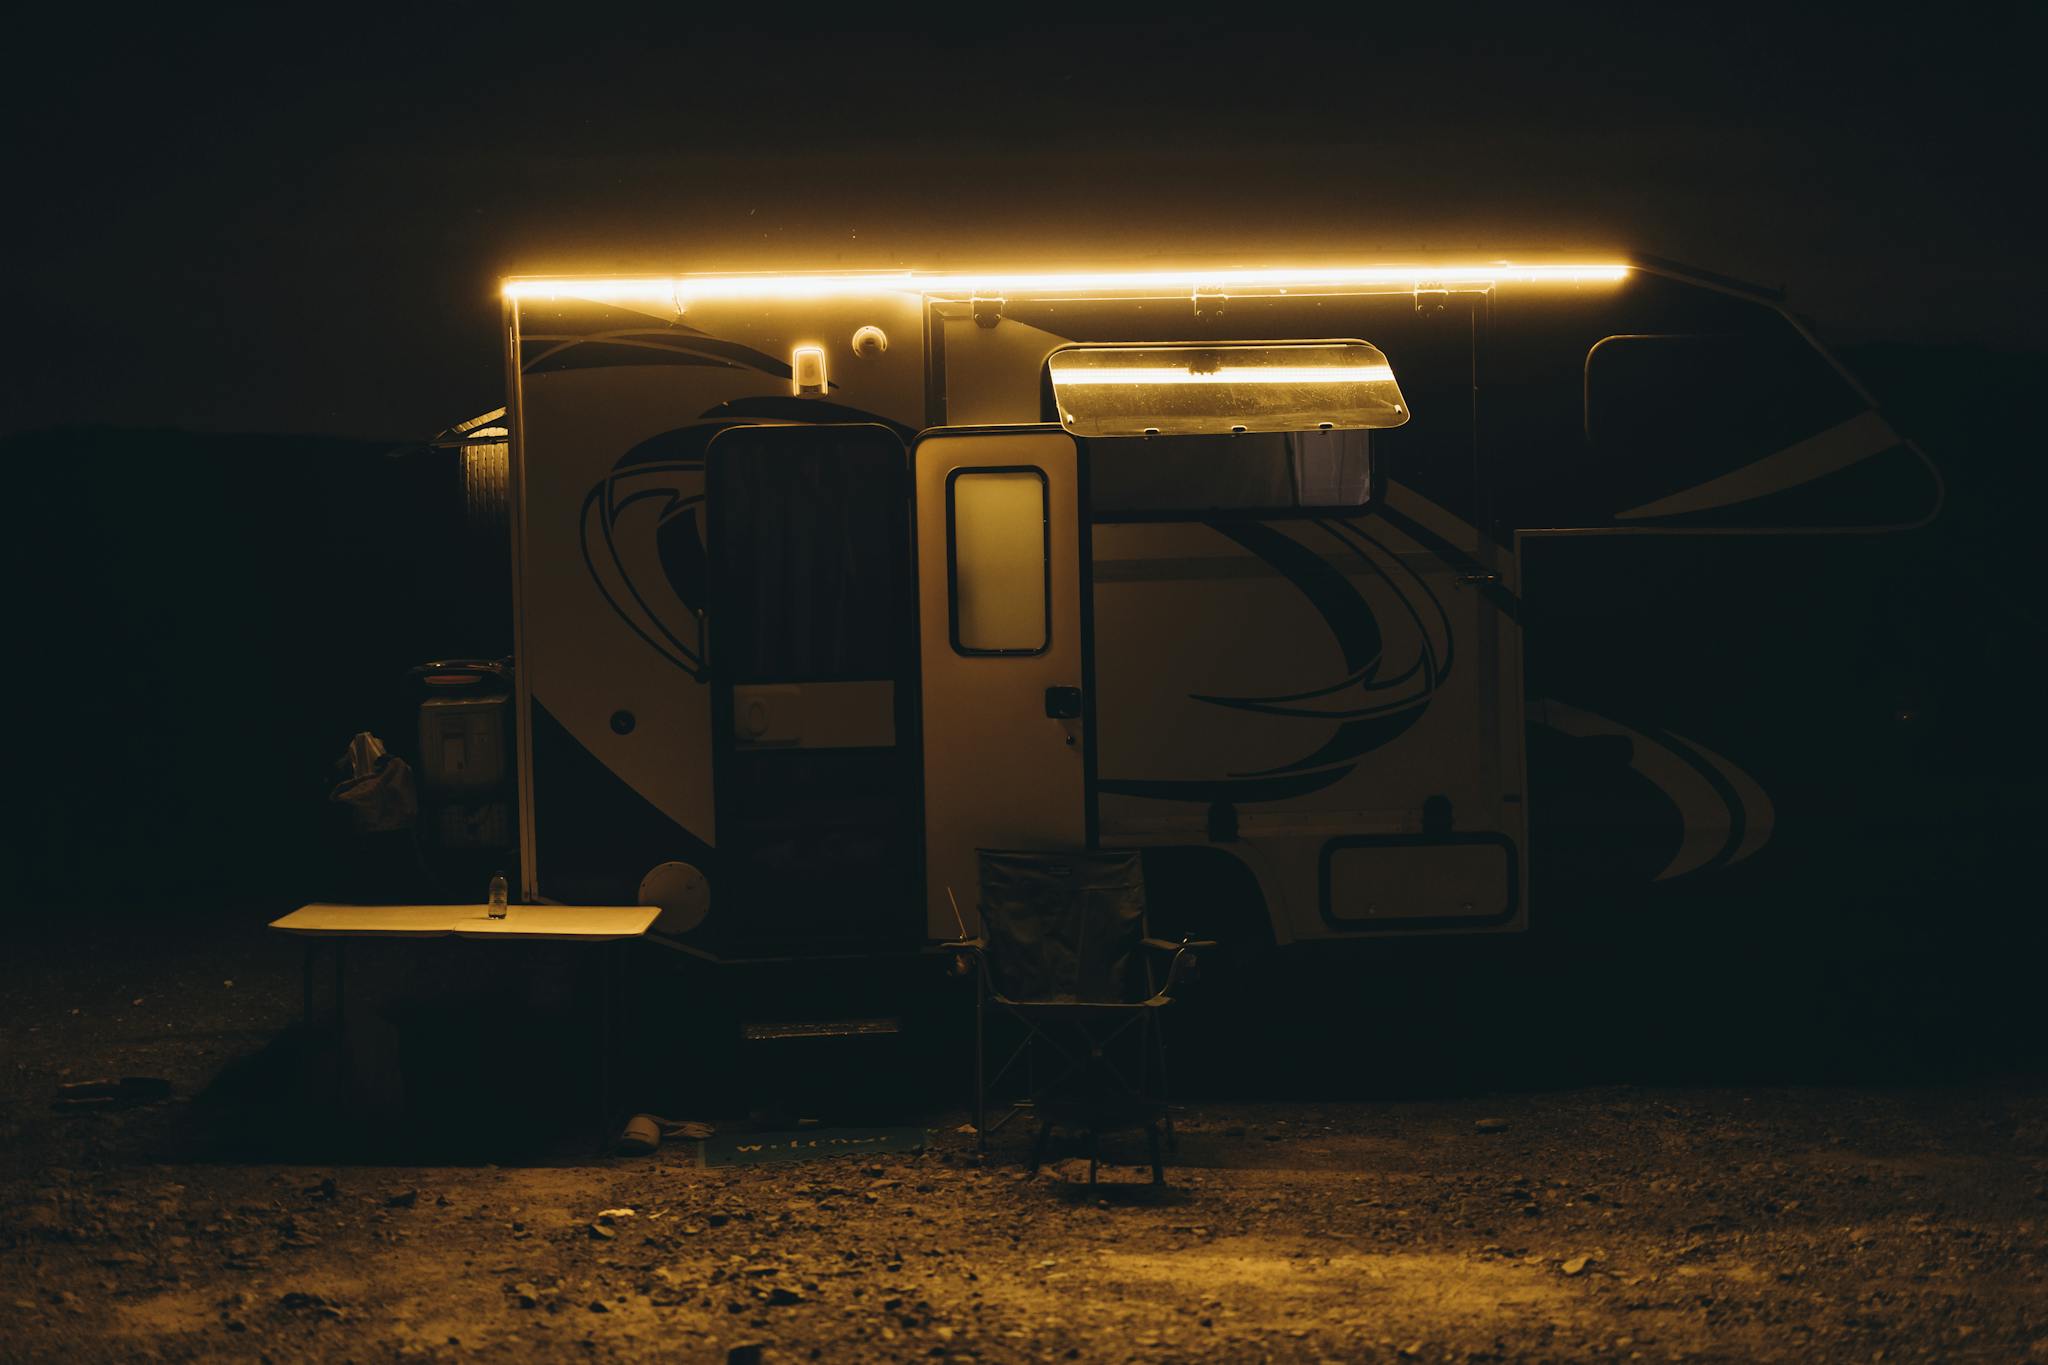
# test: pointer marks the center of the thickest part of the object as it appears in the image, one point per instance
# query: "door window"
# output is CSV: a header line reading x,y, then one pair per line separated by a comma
x,y
999,561
810,549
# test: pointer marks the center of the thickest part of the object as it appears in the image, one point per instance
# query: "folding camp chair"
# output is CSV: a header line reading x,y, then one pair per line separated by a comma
x,y
1064,952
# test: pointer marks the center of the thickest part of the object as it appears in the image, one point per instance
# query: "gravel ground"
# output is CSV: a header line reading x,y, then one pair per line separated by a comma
x,y
1614,1223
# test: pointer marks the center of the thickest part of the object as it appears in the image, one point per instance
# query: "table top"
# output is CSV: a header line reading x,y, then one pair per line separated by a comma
x,y
582,923
560,921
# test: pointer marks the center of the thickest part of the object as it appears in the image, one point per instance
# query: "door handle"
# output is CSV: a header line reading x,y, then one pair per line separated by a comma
x,y
1063,703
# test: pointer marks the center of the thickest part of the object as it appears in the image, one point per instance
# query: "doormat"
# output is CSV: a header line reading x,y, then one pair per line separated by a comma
x,y
806,1144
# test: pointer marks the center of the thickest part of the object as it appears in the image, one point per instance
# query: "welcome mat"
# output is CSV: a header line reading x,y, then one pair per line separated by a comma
x,y
805,1144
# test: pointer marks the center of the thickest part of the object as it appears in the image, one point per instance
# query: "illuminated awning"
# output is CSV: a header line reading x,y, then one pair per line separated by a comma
x,y
680,291
1217,390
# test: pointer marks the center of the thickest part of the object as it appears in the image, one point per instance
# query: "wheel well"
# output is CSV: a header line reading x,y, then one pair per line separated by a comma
x,y
1201,891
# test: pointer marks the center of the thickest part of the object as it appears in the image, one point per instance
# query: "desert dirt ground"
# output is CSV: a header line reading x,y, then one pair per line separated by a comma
x,y
1612,1223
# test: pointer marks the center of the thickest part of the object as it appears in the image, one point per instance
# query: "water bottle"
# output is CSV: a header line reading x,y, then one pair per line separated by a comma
x,y
497,906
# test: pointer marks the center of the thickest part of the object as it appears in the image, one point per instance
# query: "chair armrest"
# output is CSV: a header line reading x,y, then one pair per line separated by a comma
x,y
1167,945
1182,961
970,956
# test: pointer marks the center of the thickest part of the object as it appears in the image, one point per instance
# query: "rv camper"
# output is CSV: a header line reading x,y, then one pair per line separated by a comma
x,y
1369,601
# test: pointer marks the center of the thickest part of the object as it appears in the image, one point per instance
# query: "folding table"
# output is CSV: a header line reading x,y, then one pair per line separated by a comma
x,y
601,924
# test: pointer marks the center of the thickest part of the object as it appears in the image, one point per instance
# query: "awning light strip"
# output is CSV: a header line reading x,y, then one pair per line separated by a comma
x,y
1231,374
683,289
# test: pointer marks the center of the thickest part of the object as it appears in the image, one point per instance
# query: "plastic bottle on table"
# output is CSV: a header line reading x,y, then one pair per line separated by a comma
x,y
497,906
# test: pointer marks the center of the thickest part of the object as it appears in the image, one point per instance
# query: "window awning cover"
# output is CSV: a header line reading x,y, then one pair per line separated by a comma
x,y
1188,390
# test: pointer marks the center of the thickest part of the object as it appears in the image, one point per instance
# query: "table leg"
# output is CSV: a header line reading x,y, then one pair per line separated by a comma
x,y
607,985
344,1068
980,1080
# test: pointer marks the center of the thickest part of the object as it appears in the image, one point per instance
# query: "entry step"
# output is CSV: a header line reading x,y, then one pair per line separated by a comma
x,y
776,1030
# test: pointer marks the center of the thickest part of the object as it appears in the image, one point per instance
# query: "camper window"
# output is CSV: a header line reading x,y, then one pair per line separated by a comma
x,y
1687,402
999,560
1269,473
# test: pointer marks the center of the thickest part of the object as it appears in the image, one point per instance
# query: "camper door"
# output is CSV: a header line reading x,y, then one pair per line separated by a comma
x,y
811,675
1003,645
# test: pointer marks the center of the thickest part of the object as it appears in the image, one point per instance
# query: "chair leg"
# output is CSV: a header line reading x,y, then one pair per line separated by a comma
x,y
1165,1109
1094,1152
1039,1144
306,1010
980,1092
1152,1141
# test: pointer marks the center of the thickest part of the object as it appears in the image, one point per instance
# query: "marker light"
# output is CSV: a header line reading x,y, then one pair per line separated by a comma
x,y
679,291
1212,390
807,370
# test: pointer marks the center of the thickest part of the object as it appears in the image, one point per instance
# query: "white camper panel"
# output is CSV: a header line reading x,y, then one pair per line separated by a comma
x,y
1330,697
1220,682
607,647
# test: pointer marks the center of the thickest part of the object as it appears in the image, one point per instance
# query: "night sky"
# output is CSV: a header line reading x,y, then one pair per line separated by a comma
x,y
248,224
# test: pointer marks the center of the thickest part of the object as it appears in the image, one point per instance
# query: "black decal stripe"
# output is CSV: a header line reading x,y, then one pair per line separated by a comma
x,y
642,347
610,523
680,450
1376,726
686,660
1348,615
675,500
1306,713
566,315
611,355
597,836
1277,704
789,408
1738,817
1354,739
1243,790
682,563
1356,540
1497,595
679,545
1350,619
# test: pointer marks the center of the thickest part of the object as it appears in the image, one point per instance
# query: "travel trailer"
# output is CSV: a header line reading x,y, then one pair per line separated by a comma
x,y
1369,600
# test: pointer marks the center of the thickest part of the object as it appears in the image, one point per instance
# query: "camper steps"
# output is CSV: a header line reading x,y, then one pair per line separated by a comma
x,y
834,1071
819,1028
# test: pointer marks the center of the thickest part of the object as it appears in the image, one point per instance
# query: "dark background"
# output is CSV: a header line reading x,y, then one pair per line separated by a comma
x,y
249,254
240,220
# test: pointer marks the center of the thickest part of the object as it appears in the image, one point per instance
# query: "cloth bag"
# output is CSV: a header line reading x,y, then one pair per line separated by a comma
x,y
378,792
